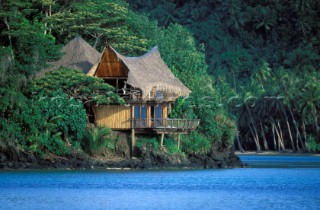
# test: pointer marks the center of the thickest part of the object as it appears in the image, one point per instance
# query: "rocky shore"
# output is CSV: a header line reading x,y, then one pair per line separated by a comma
x,y
146,159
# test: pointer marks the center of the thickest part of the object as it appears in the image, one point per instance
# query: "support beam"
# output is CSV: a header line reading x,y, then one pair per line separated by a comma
x,y
179,138
133,141
161,140
149,116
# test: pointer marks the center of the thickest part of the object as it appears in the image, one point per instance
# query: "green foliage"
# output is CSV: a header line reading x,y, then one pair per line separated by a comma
x,y
49,139
195,143
76,85
312,144
262,56
96,138
153,142
34,125
73,116
171,146
30,46
98,21
264,60
190,67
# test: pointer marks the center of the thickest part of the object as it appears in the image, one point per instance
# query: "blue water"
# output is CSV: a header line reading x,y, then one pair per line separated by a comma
x,y
259,187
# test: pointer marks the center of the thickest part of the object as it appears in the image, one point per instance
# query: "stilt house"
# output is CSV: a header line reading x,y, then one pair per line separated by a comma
x,y
149,89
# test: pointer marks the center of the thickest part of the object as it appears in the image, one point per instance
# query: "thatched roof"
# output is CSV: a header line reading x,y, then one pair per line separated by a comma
x,y
148,71
78,54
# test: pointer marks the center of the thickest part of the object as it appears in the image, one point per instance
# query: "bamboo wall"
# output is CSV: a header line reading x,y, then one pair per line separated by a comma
x,y
164,112
112,116
118,117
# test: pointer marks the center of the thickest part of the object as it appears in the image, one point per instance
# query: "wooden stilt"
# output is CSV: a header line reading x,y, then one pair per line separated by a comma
x,y
161,141
179,137
133,141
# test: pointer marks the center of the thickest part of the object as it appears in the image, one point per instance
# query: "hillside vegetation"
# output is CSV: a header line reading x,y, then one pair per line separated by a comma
x,y
253,68
263,58
43,116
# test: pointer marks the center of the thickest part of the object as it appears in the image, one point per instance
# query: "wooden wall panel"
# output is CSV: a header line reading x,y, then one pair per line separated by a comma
x,y
164,112
111,66
113,116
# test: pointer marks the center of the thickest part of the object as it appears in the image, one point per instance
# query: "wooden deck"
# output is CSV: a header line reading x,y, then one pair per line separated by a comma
x,y
166,125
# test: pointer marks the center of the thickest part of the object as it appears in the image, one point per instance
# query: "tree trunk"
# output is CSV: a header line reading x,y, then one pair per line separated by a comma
x,y
278,135
316,122
274,136
96,42
254,130
290,135
239,143
289,131
304,135
281,137
255,139
6,22
265,143
298,135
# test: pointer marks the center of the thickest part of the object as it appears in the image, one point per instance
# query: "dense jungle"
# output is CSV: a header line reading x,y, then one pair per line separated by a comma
x,y
252,66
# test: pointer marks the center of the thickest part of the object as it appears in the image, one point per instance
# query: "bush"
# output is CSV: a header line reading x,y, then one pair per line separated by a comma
x,y
195,143
153,142
95,138
171,146
25,123
73,121
312,145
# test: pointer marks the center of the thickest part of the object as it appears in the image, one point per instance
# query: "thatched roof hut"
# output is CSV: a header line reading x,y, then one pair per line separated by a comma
x,y
78,54
144,72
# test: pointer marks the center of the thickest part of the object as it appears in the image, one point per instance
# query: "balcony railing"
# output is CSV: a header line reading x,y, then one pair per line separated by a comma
x,y
166,124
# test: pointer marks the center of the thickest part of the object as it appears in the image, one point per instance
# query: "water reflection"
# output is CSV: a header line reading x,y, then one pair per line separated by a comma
x,y
281,161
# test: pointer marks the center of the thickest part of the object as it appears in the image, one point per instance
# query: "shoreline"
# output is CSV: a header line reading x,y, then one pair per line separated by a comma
x,y
274,153
149,160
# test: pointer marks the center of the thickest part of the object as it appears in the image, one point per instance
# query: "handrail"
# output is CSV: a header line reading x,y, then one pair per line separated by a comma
x,y
166,123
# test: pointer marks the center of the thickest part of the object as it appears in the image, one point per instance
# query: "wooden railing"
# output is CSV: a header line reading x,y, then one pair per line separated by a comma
x,y
166,123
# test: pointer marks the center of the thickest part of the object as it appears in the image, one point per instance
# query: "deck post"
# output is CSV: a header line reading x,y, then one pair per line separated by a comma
x,y
133,138
161,140
133,141
179,137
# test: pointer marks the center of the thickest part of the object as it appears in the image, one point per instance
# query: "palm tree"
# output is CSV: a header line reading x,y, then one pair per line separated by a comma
x,y
264,18
95,138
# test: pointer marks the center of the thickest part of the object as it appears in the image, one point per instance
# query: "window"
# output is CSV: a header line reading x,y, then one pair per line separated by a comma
x,y
140,116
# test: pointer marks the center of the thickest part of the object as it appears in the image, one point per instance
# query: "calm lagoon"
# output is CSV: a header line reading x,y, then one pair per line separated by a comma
x,y
273,182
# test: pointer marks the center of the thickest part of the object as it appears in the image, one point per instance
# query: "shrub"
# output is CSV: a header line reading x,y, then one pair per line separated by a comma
x,y
95,138
312,145
171,146
73,121
195,143
153,142
26,124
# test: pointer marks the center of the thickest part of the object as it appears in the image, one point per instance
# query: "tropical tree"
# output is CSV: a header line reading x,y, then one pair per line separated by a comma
x,y
76,85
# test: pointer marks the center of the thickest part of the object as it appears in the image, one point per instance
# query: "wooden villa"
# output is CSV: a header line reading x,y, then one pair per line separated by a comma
x,y
149,89
145,83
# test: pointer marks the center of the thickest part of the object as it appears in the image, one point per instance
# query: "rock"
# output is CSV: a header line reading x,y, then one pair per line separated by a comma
x,y
31,158
133,163
122,147
146,163
2,157
210,163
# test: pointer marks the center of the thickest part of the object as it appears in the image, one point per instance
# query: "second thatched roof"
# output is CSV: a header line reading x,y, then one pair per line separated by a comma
x,y
78,54
148,71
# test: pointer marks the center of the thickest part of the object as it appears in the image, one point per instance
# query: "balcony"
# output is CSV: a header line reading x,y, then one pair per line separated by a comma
x,y
166,125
